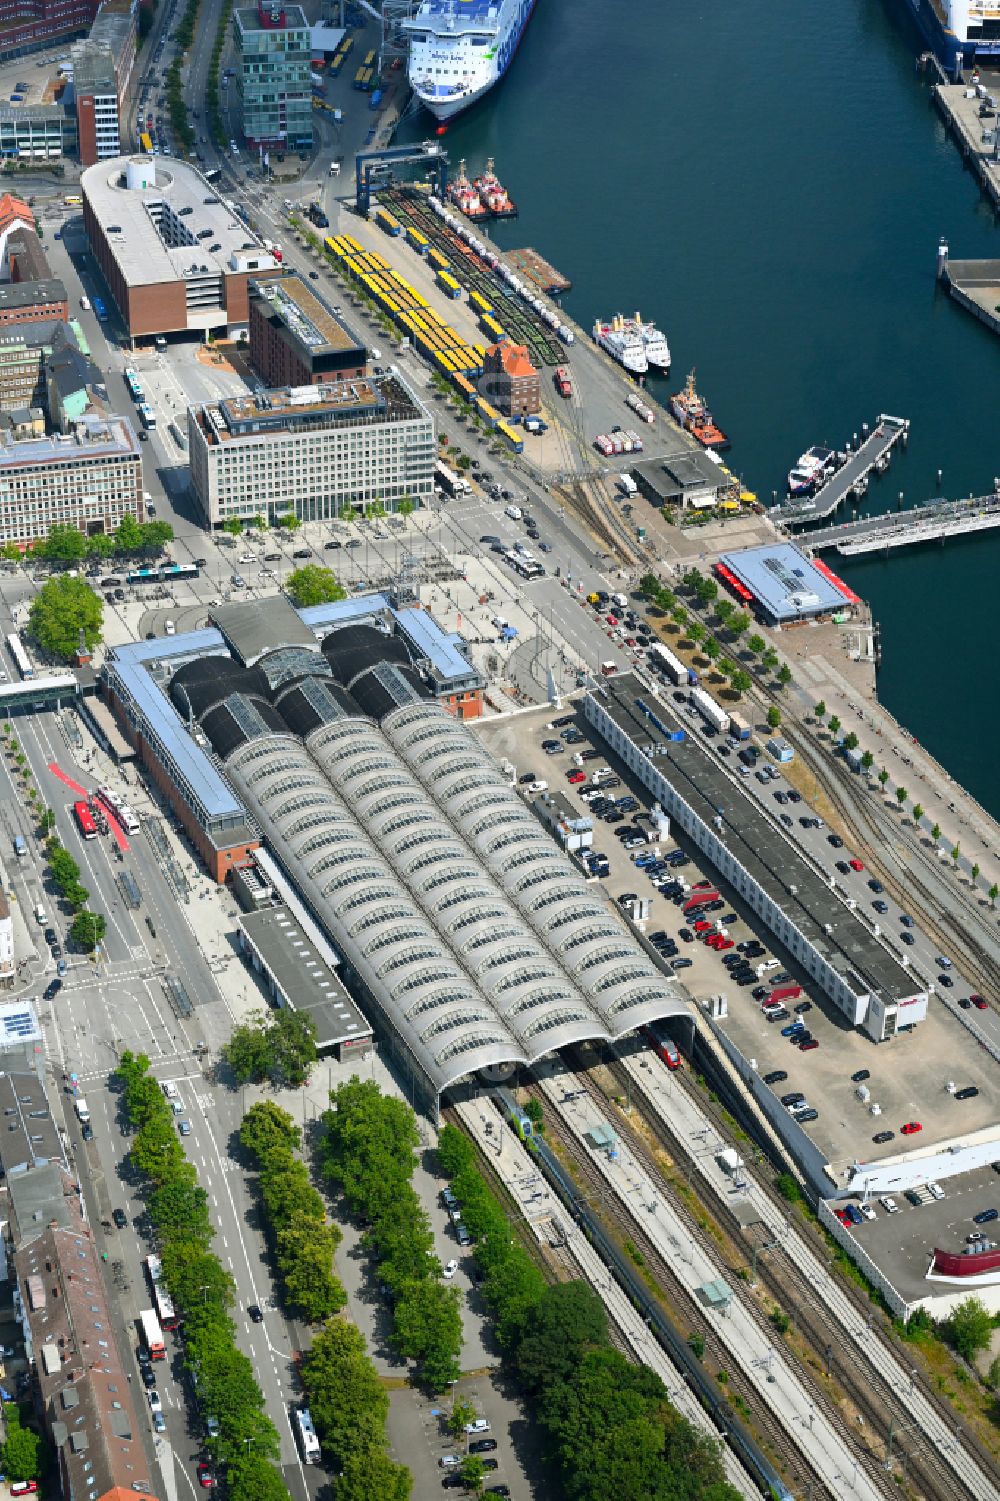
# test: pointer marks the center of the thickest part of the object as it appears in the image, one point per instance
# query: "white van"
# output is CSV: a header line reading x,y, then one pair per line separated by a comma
x,y
170,628
170,1090
514,512
41,917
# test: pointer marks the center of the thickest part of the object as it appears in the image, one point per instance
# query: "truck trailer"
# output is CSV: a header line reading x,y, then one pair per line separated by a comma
x,y
709,710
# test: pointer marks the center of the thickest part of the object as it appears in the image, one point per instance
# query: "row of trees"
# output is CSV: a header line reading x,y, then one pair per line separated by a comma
x,y
214,115
313,585
369,1152
349,1407
202,1292
88,928
279,1046
302,1242
736,623
610,1427
67,544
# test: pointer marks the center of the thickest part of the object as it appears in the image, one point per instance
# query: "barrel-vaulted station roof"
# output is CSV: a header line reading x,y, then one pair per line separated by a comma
x,y
476,936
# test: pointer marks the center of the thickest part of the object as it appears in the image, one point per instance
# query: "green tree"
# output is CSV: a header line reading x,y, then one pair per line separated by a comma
x,y
901,795
348,513
252,1477
267,1128
463,461
784,674
233,525
347,1401
994,892
289,521
313,585
61,609
974,873
713,650
707,591
666,599
180,1208
11,553
850,742
935,832
156,535
956,852
259,522
740,681
770,659
679,615
756,644
883,777
128,536
305,1250
648,585
247,1052
867,760
371,1475
918,812
76,895
774,716
724,610
738,623
558,1331
820,710
100,545
970,1328
834,725
696,632
462,1413
64,544
428,1329
473,1472
406,506
21,1453
88,928
535,1113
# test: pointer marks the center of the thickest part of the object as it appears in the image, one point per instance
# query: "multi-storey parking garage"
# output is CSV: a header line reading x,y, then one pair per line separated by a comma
x,y
467,930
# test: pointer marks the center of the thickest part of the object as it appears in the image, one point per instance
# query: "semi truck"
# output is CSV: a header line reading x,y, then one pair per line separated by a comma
x,y
709,710
627,485
664,659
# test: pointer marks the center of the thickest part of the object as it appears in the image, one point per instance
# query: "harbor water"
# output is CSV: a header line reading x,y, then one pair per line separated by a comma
x,y
769,184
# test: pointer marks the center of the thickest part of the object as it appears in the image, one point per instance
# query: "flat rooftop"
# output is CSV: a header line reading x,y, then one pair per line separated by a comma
x,y
787,583
777,864
193,216
297,409
19,294
306,316
94,438
303,976
293,19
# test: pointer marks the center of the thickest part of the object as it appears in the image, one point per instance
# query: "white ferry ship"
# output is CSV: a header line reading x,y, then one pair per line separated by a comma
x,y
460,48
634,344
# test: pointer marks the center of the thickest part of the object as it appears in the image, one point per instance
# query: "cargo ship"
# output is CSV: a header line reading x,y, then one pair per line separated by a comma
x,y
460,48
636,345
493,195
957,30
691,412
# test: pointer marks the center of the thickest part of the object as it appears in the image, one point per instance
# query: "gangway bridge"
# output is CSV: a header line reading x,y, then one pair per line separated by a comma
x,y
932,522
851,479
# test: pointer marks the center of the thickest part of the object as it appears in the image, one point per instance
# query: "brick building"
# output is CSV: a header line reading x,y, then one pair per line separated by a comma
x,y
295,337
26,260
15,216
28,25
510,381
171,252
102,69
33,302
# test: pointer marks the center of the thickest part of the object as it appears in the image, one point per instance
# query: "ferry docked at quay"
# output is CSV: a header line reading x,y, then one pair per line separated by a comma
x,y
638,346
460,48
958,31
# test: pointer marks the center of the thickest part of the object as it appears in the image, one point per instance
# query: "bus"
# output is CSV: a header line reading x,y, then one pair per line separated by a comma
x,y
659,1039
147,416
84,820
168,573
154,1269
152,1335
146,143
20,657
119,809
165,1311
134,386
100,310
306,1434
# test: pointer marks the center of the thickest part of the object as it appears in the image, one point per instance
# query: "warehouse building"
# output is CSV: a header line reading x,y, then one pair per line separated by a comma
x,y
296,339
465,933
90,479
311,450
689,478
799,905
175,256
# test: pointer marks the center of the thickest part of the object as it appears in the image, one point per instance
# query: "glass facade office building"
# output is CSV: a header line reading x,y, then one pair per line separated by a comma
x,y
272,76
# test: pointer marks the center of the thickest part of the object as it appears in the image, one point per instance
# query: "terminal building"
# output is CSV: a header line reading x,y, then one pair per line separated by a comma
x,y
296,339
312,450
176,257
798,903
463,931
781,584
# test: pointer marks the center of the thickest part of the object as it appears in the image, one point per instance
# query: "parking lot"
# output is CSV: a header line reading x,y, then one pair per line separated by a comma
x,y
902,1240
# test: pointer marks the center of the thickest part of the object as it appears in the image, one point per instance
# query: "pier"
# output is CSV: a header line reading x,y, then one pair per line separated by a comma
x,y
973,284
538,270
960,104
850,479
928,523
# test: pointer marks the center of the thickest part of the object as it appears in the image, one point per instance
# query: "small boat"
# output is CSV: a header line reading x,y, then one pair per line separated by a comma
x,y
462,193
692,413
493,195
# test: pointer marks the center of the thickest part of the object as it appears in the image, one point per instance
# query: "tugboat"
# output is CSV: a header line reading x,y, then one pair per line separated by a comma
x,y
462,193
691,412
493,194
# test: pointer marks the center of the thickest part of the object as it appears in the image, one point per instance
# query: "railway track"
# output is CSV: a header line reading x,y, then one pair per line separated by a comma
x,y
834,1345
735,1383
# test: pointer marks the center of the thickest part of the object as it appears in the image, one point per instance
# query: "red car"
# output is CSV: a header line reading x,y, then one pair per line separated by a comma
x,y
712,940
701,926
24,1487
911,1128
725,943
979,1002
702,886
611,619
842,1217
576,776
205,1477
807,1047
856,864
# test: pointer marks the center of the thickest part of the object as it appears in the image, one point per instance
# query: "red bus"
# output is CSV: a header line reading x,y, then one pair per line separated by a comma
x,y
165,1308
85,820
